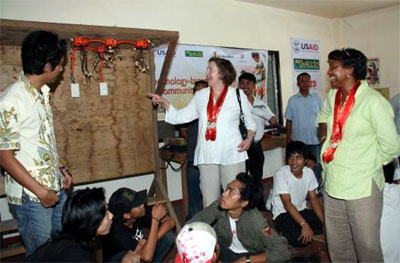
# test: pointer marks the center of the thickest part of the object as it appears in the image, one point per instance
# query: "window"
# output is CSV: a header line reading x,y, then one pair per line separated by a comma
x,y
274,94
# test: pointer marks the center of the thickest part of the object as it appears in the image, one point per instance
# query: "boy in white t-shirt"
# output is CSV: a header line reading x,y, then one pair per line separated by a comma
x,y
293,184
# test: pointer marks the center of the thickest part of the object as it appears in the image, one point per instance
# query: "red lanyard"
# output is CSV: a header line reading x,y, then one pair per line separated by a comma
x,y
339,122
212,113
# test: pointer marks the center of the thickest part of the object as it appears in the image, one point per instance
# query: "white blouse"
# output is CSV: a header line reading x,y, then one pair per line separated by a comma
x,y
224,149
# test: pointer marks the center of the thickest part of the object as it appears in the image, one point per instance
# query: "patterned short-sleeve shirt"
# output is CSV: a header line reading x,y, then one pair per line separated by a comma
x,y
26,126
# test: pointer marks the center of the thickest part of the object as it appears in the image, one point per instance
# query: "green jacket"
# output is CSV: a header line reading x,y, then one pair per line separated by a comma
x,y
251,231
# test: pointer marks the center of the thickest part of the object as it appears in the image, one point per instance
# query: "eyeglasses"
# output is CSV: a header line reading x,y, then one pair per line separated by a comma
x,y
345,51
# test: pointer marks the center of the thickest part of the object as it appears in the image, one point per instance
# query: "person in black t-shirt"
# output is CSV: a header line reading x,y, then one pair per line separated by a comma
x,y
84,216
131,215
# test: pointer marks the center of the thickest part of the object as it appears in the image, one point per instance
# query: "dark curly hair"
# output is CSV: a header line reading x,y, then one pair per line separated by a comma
x,y
226,69
251,191
38,49
351,58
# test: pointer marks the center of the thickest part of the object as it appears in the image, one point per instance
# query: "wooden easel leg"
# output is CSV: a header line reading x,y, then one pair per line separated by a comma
x,y
185,196
161,191
152,189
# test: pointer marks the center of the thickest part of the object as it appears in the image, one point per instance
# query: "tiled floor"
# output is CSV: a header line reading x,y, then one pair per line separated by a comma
x,y
315,252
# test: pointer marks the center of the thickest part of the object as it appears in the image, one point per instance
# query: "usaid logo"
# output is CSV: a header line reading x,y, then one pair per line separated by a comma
x,y
309,47
161,52
296,46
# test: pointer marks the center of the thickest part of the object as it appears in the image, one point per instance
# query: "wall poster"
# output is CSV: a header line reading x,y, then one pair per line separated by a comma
x,y
306,57
373,72
190,63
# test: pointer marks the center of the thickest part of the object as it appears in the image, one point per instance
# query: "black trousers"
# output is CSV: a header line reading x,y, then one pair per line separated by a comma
x,y
292,231
227,256
255,163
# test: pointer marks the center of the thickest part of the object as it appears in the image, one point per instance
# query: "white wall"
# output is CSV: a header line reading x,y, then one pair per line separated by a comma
x,y
223,23
377,34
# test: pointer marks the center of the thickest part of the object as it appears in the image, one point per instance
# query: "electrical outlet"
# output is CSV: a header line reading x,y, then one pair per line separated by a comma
x,y
103,89
75,90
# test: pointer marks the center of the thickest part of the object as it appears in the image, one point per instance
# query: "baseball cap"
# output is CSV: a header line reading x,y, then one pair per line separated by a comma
x,y
124,199
196,243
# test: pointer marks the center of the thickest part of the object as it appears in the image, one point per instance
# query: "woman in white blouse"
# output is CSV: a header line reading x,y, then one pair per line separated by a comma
x,y
220,152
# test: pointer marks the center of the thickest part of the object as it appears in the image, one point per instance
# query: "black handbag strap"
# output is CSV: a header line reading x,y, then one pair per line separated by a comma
x,y
240,103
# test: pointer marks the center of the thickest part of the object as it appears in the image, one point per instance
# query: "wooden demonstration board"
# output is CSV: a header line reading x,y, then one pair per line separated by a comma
x,y
99,137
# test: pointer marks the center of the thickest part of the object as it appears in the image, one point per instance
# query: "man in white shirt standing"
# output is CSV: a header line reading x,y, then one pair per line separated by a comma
x,y
261,115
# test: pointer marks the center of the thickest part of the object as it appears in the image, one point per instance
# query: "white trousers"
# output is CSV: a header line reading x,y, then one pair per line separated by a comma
x,y
213,175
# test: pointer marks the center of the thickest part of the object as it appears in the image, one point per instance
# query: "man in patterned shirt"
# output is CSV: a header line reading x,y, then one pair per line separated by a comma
x,y
35,178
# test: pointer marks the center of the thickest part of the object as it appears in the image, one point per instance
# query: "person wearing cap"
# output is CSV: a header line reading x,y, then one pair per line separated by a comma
x,y
131,215
242,231
195,243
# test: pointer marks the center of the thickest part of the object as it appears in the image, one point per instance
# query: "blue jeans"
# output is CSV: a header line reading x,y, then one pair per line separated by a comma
x,y
36,223
193,186
163,246
315,149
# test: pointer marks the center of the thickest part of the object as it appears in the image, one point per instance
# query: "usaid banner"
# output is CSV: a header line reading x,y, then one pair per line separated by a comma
x,y
306,57
190,62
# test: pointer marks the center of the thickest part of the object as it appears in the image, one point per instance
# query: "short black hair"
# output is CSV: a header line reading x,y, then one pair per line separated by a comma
x,y
248,76
83,213
351,58
296,147
255,54
388,172
39,48
251,191
310,157
303,74
201,81
226,69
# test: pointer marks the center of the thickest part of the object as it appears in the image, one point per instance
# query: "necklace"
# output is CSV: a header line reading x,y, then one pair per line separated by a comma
x,y
212,113
339,120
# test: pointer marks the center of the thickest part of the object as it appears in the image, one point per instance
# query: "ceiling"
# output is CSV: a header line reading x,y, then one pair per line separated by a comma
x,y
327,8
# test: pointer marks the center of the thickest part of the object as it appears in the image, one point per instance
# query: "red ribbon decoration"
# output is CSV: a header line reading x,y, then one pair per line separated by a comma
x,y
212,113
339,120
